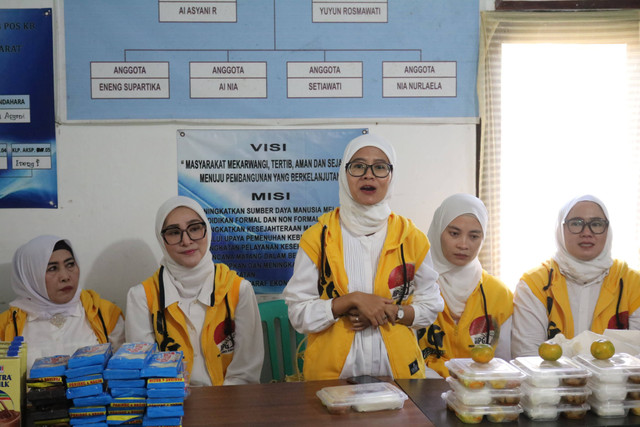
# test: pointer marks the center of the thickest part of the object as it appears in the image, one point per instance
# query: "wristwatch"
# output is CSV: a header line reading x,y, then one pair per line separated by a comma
x,y
400,313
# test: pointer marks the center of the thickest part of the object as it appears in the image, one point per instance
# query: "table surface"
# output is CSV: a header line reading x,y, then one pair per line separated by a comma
x,y
426,394
284,404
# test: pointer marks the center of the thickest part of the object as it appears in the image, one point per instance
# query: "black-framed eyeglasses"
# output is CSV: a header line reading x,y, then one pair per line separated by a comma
x,y
577,225
195,231
379,169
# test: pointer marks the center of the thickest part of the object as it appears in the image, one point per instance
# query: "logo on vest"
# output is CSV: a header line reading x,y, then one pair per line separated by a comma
x,y
224,340
397,280
478,330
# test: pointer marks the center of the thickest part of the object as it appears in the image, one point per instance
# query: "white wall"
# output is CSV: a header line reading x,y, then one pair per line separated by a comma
x,y
109,187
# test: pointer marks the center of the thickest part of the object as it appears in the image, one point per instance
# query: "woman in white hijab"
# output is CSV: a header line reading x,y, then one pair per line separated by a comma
x,y
363,279
478,306
581,288
53,312
194,305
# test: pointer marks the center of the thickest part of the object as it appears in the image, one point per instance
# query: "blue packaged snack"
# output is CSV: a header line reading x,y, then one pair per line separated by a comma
x,y
128,392
166,392
161,421
116,419
124,411
87,414
83,371
163,364
100,399
121,374
97,354
51,366
132,355
127,383
91,385
177,382
88,421
161,411
129,402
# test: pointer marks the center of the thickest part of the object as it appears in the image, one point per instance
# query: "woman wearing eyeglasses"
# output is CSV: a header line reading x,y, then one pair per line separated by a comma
x,y
52,311
581,288
363,279
478,306
194,305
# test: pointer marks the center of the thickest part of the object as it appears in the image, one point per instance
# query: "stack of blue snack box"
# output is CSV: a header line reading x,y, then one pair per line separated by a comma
x,y
166,389
86,386
46,391
127,389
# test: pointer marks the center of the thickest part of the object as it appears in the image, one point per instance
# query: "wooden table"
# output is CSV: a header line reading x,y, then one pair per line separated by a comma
x,y
283,404
426,395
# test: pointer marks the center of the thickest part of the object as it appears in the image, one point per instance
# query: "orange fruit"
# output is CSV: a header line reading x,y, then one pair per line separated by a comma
x,y
482,353
602,349
550,350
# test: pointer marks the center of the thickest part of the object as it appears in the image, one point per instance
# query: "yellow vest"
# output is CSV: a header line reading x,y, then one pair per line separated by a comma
x,y
446,340
614,305
94,307
217,345
327,351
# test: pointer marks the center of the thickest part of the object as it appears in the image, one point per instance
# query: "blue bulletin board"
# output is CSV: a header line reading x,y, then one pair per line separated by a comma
x,y
262,59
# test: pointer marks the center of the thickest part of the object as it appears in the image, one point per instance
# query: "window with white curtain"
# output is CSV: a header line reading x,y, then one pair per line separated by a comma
x,y
559,96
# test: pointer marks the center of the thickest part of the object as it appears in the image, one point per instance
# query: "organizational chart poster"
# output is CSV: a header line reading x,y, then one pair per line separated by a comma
x,y
28,172
266,59
260,190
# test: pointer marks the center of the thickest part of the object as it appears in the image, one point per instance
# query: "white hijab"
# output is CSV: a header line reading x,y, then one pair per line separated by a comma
x,y
456,283
188,281
578,271
28,279
362,220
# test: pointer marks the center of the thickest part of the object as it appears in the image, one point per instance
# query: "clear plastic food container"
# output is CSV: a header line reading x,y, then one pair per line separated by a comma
x,y
611,408
552,412
614,391
618,369
497,373
558,373
362,397
485,395
539,396
474,414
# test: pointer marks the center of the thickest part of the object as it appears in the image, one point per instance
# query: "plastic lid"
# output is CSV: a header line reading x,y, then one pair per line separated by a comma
x,y
496,369
617,368
561,368
362,396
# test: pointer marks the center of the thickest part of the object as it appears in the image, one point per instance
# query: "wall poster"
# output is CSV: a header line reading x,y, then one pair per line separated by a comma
x,y
260,190
28,171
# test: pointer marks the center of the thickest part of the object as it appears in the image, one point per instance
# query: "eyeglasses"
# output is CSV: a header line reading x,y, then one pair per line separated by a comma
x,y
379,170
596,225
195,231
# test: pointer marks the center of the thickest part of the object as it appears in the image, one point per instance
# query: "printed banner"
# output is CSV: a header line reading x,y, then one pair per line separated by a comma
x,y
260,190
28,171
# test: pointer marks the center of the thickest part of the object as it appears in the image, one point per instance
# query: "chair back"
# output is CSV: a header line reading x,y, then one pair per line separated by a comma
x,y
275,316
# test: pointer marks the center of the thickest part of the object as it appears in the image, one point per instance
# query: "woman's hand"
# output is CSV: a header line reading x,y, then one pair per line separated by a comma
x,y
358,323
363,309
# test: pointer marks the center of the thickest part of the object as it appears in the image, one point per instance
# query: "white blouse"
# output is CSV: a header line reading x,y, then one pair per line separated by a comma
x,y
248,354
310,314
530,320
45,339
